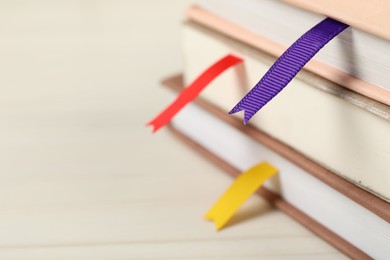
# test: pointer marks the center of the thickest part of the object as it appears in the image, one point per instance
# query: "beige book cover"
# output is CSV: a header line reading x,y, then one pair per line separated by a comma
x,y
331,125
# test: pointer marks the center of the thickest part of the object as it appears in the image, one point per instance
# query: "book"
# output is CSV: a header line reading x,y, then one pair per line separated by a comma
x,y
356,59
328,212
368,16
344,131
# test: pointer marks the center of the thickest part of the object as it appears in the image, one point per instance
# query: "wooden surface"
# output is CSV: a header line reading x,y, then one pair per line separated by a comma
x,y
80,175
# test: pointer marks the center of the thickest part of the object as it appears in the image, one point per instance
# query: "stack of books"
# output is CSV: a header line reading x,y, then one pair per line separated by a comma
x,y
327,132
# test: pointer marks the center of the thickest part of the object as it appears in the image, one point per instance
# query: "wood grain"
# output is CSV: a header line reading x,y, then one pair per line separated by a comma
x,y
79,79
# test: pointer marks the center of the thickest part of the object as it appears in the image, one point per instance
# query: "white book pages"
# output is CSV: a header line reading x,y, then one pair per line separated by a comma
x,y
346,218
355,52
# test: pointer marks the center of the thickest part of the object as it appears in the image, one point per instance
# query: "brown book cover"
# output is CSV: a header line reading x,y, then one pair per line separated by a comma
x,y
315,227
360,196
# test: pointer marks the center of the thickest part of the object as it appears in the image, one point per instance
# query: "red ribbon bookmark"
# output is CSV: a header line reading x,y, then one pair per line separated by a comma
x,y
193,90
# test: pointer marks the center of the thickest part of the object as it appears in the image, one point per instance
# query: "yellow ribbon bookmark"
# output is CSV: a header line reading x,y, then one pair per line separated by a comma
x,y
241,189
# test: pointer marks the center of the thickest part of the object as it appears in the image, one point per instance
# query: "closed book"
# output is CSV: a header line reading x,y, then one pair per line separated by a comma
x,y
343,131
325,203
356,59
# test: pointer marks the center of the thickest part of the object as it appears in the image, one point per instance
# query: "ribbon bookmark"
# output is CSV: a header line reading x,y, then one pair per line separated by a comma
x,y
241,189
287,66
193,90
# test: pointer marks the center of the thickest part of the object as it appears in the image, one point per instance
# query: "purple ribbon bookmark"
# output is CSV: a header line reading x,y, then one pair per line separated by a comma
x,y
287,66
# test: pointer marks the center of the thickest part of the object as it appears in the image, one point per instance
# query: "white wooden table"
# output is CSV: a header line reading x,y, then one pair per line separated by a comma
x,y
80,175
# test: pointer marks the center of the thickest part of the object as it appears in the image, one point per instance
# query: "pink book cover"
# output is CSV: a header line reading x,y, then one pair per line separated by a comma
x,y
206,18
370,16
